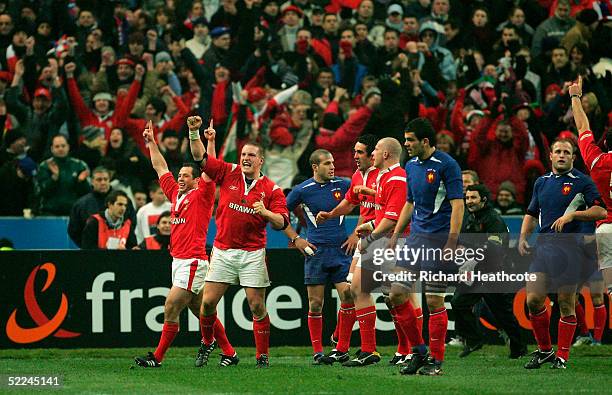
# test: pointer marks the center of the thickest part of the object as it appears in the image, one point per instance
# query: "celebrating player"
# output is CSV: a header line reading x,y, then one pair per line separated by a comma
x,y
557,260
434,207
600,166
248,201
192,201
390,195
329,263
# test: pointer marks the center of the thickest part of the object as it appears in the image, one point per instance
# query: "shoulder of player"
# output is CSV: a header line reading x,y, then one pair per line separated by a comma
x,y
269,185
339,182
586,137
396,175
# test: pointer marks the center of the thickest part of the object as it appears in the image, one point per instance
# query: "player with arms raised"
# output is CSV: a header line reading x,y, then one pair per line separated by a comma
x,y
192,201
248,201
600,167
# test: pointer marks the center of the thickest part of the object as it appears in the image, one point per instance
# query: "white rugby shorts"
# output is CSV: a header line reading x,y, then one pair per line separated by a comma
x,y
189,274
604,245
235,266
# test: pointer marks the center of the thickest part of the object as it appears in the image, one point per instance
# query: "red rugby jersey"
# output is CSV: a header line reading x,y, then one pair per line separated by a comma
x,y
599,164
365,202
237,224
190,215
390,193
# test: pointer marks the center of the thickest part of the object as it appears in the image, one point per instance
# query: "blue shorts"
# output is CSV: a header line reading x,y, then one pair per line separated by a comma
x,y
562,262
328,264
424,251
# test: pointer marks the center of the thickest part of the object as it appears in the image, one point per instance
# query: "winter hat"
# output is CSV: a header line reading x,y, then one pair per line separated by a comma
x,y
507,186
91,132
162,56
553,88
473,113
587,16
256,94
11,136
370,92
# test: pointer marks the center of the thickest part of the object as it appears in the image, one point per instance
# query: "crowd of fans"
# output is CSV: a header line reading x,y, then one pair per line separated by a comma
x,y
79,80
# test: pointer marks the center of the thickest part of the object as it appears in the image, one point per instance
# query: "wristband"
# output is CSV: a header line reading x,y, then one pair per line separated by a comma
x,y
295,238
578,96
194,134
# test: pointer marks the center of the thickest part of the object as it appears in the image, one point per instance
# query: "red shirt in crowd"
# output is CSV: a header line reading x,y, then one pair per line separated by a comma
x,y
238,227
190,214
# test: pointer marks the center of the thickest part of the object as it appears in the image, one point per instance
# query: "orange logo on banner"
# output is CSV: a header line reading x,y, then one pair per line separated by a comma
x,y
46,326
523,318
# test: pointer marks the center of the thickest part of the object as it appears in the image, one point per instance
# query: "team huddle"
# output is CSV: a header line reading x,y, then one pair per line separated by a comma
x,y
419,205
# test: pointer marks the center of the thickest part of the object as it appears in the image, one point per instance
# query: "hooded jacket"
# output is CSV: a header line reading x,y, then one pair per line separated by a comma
x,y
444,57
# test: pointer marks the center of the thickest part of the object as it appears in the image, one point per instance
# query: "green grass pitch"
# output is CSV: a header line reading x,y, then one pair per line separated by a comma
x,y
487,371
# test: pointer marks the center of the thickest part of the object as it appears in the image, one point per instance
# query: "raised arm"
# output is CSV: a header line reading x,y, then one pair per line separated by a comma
x,y
157,159
195,144
580,117
211,152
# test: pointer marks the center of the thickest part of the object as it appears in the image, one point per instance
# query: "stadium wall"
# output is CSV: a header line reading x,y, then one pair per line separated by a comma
x,y
80,299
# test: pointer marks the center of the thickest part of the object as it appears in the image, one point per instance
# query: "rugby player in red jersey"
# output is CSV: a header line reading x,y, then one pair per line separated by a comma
x,y
192,199
248,201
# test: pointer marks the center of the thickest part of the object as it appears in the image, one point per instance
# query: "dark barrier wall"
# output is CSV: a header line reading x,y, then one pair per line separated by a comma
x,y
115,299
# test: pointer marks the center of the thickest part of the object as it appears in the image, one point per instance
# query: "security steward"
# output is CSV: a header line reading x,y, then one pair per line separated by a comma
x,y
110,229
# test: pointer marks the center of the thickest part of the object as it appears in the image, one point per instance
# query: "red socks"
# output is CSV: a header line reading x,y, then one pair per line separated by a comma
x,y
221,337
403,344
600,321
419,314
346,320
583,329
315,327
261,331
207,327
540,322
212,329
367,328
169,332
406,319
438,323
567,327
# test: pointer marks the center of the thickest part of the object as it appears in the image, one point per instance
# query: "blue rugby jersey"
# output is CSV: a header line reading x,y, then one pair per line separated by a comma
x,y
432,183
554,195
315,197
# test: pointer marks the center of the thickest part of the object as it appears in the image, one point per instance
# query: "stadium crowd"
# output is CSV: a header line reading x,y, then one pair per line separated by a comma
x,y
79,80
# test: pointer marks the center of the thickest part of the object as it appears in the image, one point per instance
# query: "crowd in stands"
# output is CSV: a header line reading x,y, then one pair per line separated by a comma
x,y
80,79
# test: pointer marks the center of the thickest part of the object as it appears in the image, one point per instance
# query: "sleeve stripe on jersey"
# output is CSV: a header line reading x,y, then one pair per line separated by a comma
x,y
585,135
275,188
397,178
595,161
234,166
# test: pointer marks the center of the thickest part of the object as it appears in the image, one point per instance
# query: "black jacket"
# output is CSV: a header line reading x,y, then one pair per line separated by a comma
x,y
486,229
